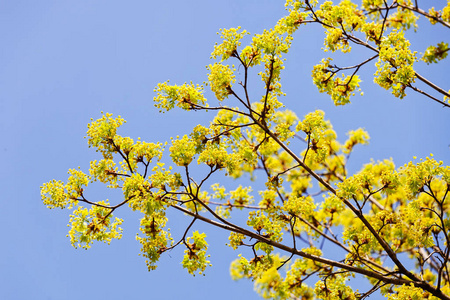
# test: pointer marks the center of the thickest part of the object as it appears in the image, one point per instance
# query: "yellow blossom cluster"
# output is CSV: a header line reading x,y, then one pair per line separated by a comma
x,y
96,223
186,96
195,258
395,64
156,240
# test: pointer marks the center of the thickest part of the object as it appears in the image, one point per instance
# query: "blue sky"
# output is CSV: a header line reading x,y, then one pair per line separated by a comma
x,y
62,62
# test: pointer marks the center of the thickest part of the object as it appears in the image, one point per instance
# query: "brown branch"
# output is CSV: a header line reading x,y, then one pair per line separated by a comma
x,y
424,13
384,19
428,95
269,81
121,154
237,205
429,83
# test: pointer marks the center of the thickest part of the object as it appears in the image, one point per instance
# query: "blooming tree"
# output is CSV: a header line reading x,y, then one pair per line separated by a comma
x,y
309,198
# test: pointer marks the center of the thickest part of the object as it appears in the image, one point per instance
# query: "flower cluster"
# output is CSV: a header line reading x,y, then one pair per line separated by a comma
x,y
57,194
186,96
104,171
339,88
195,258
395,64
433,54
355,137
319,134
338,19
155,241
96,223
231,41
220,79
182,151
414,177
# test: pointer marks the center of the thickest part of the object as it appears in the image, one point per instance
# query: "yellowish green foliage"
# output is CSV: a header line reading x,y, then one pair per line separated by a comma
x,y
355,137
182,151
236,240
221,77
155,241
403,18
304,198
241,196
337,17
101,134
94,224
186,96
57,194
417,176
231,40
195,258
320,136
53,194
102,171
446,12
395,64
433,54
334,287
299,206
339,88
406,292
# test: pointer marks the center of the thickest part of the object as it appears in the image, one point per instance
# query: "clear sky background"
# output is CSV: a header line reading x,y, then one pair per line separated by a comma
x,y
62,62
